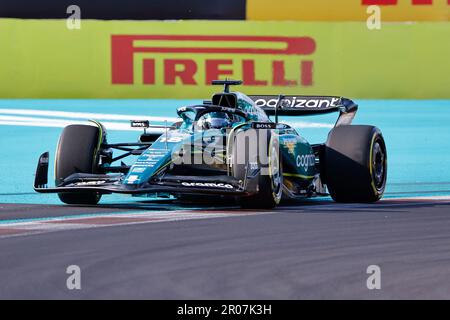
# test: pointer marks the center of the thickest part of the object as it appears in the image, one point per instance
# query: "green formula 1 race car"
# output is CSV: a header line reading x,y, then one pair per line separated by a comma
x,y
225,147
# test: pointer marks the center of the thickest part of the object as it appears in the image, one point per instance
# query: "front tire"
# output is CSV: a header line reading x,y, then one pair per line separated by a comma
x,y
269,184
355,164
77,153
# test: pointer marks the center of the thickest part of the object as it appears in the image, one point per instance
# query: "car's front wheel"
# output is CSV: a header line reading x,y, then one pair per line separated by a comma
x,y
270,179
77,152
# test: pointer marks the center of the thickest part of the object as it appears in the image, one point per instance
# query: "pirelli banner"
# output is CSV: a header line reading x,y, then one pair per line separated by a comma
x,y
142,59
348,10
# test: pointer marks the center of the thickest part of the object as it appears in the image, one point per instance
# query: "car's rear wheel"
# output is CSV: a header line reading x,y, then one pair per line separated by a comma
x,y
355,164
77,152
270,179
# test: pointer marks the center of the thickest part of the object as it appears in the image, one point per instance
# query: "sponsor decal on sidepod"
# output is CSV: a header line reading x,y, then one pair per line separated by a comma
x,y
306,161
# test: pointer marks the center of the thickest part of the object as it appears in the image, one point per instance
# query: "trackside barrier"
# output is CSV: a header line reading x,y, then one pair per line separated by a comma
x,y
348,10
154,59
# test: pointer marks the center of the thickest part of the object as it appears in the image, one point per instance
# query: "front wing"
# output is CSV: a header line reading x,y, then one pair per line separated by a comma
x,y
106,184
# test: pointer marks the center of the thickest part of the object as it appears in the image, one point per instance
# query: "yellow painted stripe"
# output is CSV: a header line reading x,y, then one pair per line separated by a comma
x,y
297,175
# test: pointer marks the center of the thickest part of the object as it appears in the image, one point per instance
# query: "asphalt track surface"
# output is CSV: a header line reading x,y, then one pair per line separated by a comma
x,y
165,250
318,250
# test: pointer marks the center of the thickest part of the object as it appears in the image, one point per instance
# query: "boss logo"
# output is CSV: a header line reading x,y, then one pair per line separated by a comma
x,y
140,123
263,125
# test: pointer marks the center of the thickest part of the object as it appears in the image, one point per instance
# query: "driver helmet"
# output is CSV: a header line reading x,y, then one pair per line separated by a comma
x,y
215,120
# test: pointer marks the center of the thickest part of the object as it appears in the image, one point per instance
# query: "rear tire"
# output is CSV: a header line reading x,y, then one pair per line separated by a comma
x,y
270,186
355,164
77,153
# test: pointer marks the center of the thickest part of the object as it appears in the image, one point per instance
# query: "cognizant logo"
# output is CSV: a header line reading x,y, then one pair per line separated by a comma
x,y
306,161
198,59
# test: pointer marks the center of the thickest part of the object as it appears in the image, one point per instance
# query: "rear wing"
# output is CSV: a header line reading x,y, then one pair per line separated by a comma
x,y
307,105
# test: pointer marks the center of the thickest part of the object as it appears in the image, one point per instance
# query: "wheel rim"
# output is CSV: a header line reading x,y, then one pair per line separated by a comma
x,y
378,164
275,170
